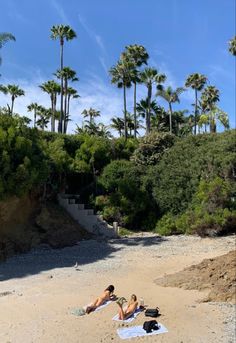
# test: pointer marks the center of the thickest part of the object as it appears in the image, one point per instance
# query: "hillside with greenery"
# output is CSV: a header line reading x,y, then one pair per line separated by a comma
x,y
161,182
178,177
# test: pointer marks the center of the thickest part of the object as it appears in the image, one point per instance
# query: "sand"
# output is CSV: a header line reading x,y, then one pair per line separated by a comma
x,y
42,287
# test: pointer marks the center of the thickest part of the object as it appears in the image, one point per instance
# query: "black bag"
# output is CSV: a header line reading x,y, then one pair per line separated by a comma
x,y
150,325
152,312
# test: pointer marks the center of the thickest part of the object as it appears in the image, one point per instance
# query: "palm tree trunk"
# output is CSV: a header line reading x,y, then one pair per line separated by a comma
x,y
195,114
12,104
34,117
148,112
67,112
170,117
52,114
65,105
61,114
68,105
125,113
135,118
54,111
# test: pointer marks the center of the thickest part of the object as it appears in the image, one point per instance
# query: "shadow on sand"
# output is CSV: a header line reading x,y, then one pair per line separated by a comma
x,y
44,258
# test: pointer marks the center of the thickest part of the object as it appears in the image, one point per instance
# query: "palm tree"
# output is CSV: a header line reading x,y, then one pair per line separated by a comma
x,y
53,89
197,82
44,115
102,131
138,56
147,110
71,94
122,75
14,91
4,38
66,74
210,96
91,114
180,123
171,96
213,116
232,46
62,32
130,123
159,119
118,125
149,77
35,108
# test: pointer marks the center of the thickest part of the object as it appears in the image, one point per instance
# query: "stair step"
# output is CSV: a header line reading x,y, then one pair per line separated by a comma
x,y
85,216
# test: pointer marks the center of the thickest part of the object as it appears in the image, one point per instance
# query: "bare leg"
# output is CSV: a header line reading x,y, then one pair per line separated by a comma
x,y
97,302
121,312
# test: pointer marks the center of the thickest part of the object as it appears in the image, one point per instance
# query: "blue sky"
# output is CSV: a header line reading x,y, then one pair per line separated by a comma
x,y
181,37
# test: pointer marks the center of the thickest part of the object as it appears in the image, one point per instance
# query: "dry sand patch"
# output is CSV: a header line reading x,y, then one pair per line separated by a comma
x,y
38,310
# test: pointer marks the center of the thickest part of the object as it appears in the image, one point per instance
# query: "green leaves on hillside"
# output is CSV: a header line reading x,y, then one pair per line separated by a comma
x,y
176,184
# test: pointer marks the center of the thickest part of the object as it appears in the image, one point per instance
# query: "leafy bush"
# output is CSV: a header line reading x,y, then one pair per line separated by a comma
x,y
122,183
212,212
176,177
166,226
123,148
151,148
23,162
92,155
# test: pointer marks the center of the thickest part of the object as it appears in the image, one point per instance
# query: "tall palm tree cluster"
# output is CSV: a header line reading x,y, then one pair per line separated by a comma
x,y
42,115
130,70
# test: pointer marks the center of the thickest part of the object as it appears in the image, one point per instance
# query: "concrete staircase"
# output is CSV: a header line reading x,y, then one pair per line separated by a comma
x,y
86,217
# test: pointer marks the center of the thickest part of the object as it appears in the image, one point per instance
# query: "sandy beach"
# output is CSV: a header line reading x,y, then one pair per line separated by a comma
x,y
39,289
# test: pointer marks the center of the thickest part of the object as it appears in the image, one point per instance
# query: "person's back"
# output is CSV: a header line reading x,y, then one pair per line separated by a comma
x,y
105,296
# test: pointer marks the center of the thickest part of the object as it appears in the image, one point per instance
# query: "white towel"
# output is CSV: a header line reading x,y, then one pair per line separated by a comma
x,y
129,319
137,331
103,305
79,310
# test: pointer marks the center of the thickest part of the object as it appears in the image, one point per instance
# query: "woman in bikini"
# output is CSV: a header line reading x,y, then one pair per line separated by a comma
x,y
130,309
105,296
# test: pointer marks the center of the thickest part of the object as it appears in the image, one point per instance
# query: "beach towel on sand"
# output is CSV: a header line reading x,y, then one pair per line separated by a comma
x,y
129,319
80,311
138,331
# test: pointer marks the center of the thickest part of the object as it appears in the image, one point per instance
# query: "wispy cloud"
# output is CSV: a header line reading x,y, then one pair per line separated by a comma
x,y
14,12
218,73
97,39
94,93
32,94
61,12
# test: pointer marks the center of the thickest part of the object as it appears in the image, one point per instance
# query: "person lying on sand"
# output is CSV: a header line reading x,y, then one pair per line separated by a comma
x,y
130,309
105,296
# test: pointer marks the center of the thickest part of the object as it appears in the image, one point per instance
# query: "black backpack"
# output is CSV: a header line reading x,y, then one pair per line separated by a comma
x,y
150,325
152,312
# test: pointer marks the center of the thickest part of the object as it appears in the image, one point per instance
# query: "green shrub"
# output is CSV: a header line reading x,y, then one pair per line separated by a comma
x,y
176,177
184,222
151,148
223,221
111,214
101,201
123,148
122,183
166,226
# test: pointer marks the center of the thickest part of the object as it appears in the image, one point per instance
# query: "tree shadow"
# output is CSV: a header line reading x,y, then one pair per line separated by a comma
x,y
44,258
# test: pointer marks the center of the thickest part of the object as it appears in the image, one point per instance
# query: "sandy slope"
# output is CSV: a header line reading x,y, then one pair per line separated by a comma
x,y
45,287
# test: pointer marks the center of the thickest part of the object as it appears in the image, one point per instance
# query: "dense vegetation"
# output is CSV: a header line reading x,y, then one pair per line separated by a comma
x,y
178,178
160,181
